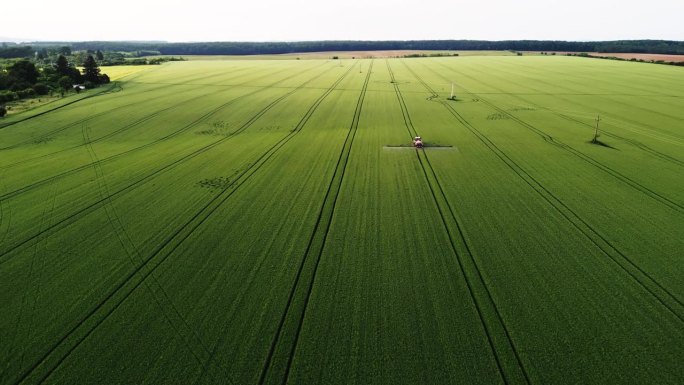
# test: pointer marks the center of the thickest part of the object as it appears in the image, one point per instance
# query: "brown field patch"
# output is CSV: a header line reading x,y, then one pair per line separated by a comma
x,y
366,54
626,56
643,56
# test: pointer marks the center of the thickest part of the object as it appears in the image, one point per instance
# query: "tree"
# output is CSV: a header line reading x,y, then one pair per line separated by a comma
x,y
4,81
22,74
16,51
64,69
3,111
75,75
99,55
41,89
66,50
62,65
91,72
65,83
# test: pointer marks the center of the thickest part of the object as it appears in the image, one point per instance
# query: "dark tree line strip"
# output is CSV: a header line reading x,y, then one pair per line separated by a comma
x,y
251,48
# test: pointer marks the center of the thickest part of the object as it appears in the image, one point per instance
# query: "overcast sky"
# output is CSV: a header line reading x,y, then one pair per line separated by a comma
x,y
278,20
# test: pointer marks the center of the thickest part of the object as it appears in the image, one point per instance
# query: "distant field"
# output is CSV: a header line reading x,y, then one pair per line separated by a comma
x,y
645,56
267,222
642,56
341,55
119,72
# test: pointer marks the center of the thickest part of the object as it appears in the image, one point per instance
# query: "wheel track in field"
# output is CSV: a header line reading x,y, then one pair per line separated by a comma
x,y
634,91
252,169
115,84
5,213
100,93
182,329
38,254
180,235
658,134
635,143
426,166
96,205
607,133
640,91
610,171
86,119
68,220
315,247
70,125
26,326
171,135
80,121
640,276
106,136
558,144
297,129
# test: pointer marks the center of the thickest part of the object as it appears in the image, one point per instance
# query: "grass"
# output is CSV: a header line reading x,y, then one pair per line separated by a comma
x,y
122,71
22,105
241,222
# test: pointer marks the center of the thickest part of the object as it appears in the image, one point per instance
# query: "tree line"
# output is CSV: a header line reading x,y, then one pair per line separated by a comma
x,y
252,48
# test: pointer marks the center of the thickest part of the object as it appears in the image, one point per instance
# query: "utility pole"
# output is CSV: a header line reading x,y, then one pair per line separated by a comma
x,y
596,132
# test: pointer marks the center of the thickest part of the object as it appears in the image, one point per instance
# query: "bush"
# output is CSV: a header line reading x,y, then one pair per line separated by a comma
x,y
8,96
3,111
65,83
88,85
19,85
27,93
137,62
104,79
41,89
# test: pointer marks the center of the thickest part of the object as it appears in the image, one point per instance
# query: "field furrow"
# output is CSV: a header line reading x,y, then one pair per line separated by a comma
x,y
264,222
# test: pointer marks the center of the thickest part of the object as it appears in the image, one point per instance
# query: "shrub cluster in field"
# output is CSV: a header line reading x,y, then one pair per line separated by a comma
x,y
218,183
498,116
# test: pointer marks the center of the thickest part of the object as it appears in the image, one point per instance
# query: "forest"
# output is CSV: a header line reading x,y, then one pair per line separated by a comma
x,y
252,48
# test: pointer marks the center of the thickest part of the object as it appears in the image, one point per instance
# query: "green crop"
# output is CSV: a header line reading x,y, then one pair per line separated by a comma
x,y
269,222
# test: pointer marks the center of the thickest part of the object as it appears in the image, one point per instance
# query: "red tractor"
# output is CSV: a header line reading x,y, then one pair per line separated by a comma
x,y
417,142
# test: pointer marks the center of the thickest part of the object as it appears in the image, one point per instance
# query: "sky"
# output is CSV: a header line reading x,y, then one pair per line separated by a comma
x,y
299,20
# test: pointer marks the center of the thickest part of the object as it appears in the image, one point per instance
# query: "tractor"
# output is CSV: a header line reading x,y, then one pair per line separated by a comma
x,y
417,142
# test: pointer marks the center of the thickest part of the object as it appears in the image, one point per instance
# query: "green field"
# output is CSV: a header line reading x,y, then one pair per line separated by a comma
x,y
266,222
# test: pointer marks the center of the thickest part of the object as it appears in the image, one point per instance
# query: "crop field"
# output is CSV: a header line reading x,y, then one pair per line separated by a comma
x,y
268,222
